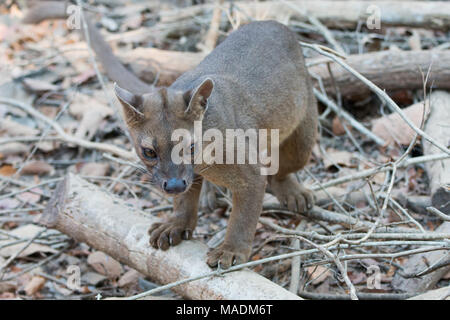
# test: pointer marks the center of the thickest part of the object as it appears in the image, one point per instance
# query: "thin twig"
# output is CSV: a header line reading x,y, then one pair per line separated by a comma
x,y
390,103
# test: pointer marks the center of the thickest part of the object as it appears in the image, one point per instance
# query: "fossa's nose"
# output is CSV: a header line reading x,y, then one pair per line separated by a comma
x,y
174,185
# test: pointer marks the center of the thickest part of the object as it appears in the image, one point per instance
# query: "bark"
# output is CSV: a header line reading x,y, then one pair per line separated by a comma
x,y
390,70
164,66
91,215
333,14
438,294
438,126
439,176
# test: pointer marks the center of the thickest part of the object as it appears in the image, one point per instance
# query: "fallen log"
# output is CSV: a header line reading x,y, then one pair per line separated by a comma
x,y
333,14
389,70
164,66
91,215
438,294
439,176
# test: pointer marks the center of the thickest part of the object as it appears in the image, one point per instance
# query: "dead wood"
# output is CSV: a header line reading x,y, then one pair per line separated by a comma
x,y
389,70
438,294
333,14
438,127
92,215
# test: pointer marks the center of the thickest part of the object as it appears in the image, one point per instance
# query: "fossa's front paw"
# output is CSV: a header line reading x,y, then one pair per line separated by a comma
x,y
166,234
225,256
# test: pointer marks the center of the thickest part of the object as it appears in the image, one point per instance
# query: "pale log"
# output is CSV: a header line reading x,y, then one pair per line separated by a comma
x,y
389,70
438,126
333,14
438,172
91,215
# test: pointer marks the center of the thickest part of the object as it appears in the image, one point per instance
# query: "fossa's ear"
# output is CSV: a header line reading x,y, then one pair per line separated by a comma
x,y
197,99
131,105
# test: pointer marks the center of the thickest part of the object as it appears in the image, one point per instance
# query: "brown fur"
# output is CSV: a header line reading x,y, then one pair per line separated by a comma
x,y
255,79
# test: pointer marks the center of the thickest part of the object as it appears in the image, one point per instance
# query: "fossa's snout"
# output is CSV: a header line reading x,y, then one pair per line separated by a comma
x,y
174,185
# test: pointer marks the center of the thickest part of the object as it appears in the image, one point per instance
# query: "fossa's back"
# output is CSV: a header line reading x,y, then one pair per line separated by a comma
x,y
259,74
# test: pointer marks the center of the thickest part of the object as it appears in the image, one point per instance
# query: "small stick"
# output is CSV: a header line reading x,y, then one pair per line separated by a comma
x,y
379,236
381,255
124,154
296,261
319,25
355,124
390,103
16,254
337,261
439,213
372,171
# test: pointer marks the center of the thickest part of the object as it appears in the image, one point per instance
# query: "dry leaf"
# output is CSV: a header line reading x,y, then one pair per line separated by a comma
x,y
27,231
318,273
341,158
91,112
393,128
13,148
83,103
93,278
337,127
9,203
84,77
447,276
36,283
379,178
95,169
13,128
7,286
39,86
357,277
29,197
132,22
105,265
414,40
7,170
37,168
130,278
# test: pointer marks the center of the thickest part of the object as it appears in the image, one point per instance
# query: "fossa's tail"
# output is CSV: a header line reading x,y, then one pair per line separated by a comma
x,y
44,10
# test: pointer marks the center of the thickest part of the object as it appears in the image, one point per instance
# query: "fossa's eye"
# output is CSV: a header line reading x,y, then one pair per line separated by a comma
x,y
149,154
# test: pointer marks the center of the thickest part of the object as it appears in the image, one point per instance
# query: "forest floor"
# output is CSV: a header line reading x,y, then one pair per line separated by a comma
x,y
47,67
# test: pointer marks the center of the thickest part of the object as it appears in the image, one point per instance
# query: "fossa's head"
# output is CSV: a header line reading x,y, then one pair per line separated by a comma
x,y
152,118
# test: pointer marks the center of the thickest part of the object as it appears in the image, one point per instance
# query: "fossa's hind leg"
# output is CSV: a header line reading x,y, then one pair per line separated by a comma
x,y
294,154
